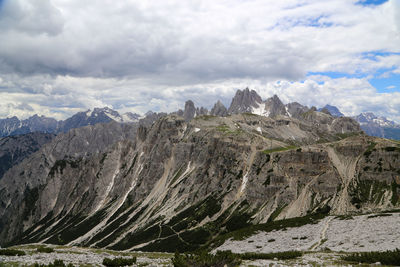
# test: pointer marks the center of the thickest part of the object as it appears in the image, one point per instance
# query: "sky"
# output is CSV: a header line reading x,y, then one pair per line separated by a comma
x,y
58,57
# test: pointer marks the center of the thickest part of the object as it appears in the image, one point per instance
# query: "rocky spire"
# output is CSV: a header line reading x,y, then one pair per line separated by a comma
x,y
244,101
274,107
219,109
190,110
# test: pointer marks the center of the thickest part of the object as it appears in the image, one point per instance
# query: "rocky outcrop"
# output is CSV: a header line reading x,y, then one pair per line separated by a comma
x,y
201,111
219,110
295,110
190,111
244,101
274,107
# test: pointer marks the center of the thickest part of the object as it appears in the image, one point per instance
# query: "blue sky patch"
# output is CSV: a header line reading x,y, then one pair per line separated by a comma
x,y
389,84
371,2
337,75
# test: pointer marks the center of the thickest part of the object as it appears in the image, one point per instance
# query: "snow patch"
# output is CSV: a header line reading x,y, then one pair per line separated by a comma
x,y
287,111
259,130
260,110
126,118
196,130
115,118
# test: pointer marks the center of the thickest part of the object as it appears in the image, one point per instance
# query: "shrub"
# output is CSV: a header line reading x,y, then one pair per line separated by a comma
x,y
45,250
56,263
11,252
389,257
119,261
286,255
204,259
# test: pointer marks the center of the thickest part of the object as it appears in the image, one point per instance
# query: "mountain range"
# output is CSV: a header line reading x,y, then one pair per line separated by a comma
x,y
244,101
14,126
186,180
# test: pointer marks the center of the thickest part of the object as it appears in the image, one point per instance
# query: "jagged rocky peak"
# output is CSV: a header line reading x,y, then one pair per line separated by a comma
x,y
275,107
369,117
201,111
325,110
219,110
272,107
244,101
334,111
130,117
295,109
378,126
150,117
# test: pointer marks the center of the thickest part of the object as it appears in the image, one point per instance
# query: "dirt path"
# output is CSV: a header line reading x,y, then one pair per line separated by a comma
x,y
322,238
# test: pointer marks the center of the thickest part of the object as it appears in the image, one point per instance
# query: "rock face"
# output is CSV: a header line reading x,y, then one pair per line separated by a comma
x,y
190,110
274,107
14,149
176,184
219,110
244,101
295,110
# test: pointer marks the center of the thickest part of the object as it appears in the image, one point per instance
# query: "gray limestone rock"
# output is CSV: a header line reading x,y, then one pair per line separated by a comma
x,y
219,110
244,101
190,110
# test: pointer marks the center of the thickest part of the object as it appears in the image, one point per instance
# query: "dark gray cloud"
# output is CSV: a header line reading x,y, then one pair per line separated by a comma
x,y
66,55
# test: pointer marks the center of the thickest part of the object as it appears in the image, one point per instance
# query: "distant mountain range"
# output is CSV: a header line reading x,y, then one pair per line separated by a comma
x,y
14,126
244,101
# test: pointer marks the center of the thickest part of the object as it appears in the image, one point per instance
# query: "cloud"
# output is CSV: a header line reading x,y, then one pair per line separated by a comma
x,y
30,18
61,56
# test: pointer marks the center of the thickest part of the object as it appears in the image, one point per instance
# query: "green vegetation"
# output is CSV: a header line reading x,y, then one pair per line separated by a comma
x,y
279,149
31,196
205,117
274,225
119,261
56,263
188,240
392,148
71,227
276,213
12,252
379,215
176,176
367,191
370,148
344,217
44,250
395,195
223,128
389,257
346,135
286,255
204,259
61,164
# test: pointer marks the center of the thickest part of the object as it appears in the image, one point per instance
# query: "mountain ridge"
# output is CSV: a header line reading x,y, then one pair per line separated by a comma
x,y
174,179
